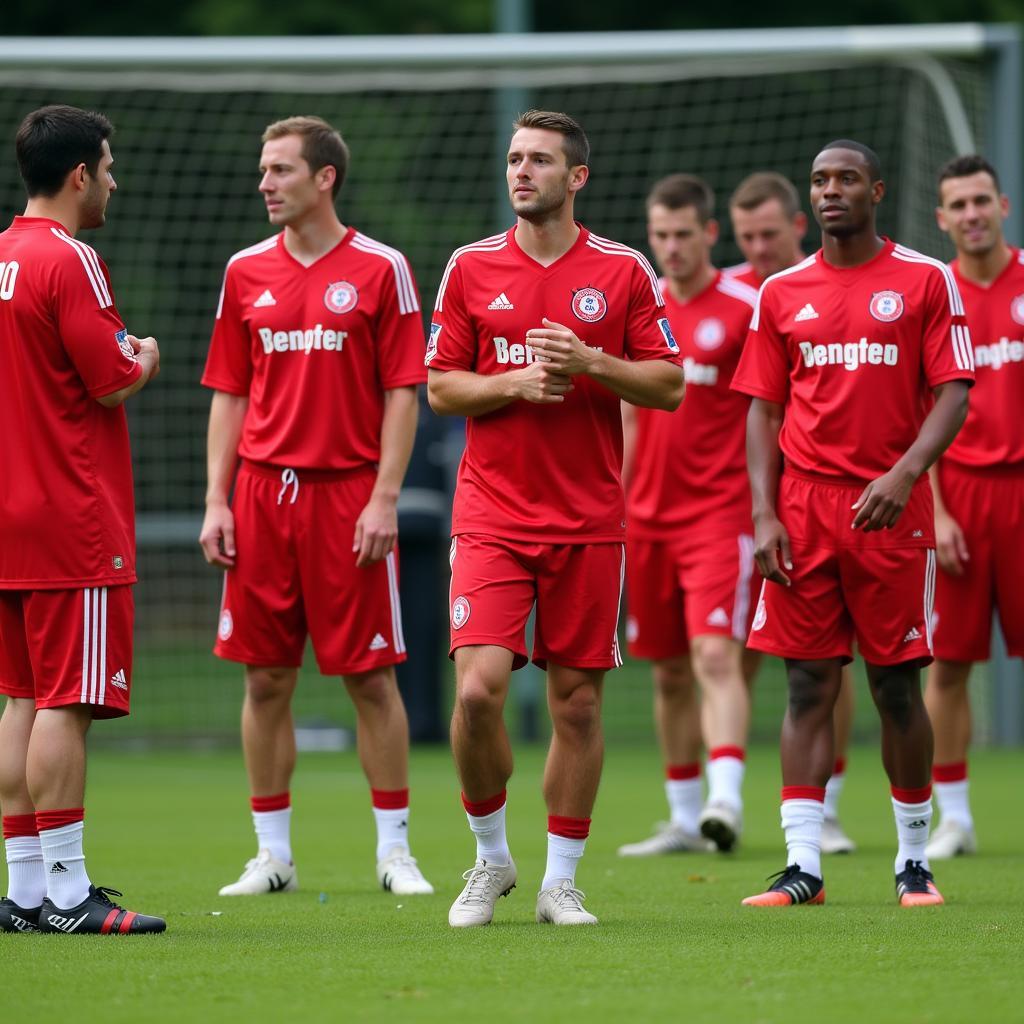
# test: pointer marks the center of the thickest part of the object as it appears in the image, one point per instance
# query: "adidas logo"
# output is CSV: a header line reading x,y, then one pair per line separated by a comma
x,y
118,679
719,617
807,313
277,883
378,643
58,868
266,299
912,634
501,302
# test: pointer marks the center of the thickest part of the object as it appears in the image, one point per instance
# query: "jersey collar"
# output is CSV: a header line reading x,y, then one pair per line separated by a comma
x,y
849,273
21,221
334,250
1015,261
529,261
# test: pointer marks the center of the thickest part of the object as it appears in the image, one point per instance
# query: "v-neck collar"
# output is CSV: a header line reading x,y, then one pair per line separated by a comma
x,y
986,288
581,240
342,242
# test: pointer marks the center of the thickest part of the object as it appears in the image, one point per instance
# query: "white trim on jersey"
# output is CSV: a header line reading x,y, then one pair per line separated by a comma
x,y
739,268
963,350
1020,255
91,263
616,650
94,645
741,603
493,244
755,319
253,250
956,304
737,290
396,605
929,595
610,248
408,302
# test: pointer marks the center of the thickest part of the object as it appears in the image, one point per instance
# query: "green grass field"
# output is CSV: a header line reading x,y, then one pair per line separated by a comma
x,y
673,942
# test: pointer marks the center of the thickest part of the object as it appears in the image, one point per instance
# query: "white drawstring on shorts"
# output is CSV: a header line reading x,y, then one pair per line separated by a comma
x,y
289,478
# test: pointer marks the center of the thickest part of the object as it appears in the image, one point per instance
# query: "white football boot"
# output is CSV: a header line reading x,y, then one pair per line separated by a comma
x,y
834,839
562,904
722,824
668,838
485,883
951,839
399,873
264,874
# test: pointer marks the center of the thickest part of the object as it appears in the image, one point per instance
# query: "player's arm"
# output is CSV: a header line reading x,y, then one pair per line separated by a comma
x,y
628,441
227,416
465,393
147,355
950,543
883,500
377,526
652,383
764,464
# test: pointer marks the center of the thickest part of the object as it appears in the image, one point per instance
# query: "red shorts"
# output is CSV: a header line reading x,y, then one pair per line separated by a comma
x,y
295,573
878,587
989,506
64,647
577,589
679,589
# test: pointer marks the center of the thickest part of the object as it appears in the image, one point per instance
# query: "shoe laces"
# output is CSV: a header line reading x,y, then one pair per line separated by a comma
x,y
917,871
568,897
787,874
103,894
406,861
479,880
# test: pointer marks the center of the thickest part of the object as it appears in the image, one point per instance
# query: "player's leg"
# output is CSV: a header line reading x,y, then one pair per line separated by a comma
x,y
833,838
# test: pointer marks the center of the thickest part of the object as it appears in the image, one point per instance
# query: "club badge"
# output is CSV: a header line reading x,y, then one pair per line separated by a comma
x,y
589,305
226,626
886,306
709,333
1017,309
460,612
760,616
341,297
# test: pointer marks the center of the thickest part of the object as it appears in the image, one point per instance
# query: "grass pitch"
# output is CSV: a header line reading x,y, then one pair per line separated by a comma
x,y
673,942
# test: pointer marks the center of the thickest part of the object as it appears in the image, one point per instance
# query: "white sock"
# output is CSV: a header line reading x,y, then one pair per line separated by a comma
x,y
833,790
67,883
392,829
491,843
801,822
684,800
274,833
26,875
563,856
913,822
954,802
725,780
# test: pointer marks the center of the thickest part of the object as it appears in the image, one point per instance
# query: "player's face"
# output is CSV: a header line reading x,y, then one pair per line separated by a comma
x,y
972,212
97,191
680,243
843,196
769,240
540,181
289,188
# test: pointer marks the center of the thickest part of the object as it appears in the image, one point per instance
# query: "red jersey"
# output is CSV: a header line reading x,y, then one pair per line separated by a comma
x,y
545,472
853,353
690,468
994,432
67,508
314,348
745,274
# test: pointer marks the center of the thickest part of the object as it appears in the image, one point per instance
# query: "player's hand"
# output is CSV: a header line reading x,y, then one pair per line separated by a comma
x,y
950,544
882,502
542,385
148,353
559,347
770,540
217,537
376,531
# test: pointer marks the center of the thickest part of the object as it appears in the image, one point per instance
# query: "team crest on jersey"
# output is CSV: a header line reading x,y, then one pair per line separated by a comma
x,y
1017,309
886,306
341,297
709,333
121,337
760,616
435,331
589,305
666,330
460,612
226,626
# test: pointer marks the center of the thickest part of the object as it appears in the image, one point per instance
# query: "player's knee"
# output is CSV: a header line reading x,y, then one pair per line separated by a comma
x,y
578,713
807,692
268,685
716,660
673,680
378,689
896,697
478,700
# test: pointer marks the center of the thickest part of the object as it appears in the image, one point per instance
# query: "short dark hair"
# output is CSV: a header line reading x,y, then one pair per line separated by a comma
x,y
963,166
575,144
322,145
761,186
680,190
870,156
52,141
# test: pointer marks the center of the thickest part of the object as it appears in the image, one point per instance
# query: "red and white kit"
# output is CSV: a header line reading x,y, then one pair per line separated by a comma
x,y
543,475
67,512
314,349
690,549
745,274
982,478
853,354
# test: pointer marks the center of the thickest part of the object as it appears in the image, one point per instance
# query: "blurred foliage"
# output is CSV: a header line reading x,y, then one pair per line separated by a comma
x,y
400,17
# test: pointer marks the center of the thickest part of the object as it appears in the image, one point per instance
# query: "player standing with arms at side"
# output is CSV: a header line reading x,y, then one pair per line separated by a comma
x,y
690,552
978,485
314,359
536,336
67,521
769,227
847,351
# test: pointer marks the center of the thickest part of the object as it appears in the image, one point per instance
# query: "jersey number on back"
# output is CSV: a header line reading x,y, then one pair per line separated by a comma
x,y
8,275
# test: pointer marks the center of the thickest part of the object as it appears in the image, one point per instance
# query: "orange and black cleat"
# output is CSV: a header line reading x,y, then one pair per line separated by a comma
x,y
915,887
791,886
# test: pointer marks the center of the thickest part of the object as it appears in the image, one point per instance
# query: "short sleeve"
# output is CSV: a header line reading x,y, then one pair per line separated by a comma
x,y
399,329
946,349
229,361
91,330
648,334
452,342
763,370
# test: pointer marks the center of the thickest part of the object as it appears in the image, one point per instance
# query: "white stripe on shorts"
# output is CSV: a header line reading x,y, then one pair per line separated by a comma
x,y
616,651
929,596
396,605
741,604
85,645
